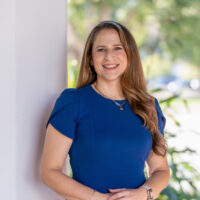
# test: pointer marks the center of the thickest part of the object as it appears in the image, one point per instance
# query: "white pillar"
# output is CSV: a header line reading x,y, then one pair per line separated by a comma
x,y
33,73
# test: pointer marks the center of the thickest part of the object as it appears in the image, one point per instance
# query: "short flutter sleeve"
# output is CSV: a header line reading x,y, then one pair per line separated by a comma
x,y
161,117
65,112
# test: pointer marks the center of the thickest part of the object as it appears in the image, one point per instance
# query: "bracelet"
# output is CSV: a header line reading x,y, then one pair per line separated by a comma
x,y
149,192
92,194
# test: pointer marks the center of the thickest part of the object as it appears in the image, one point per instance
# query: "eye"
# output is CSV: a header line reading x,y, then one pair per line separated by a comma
x,y
118,48
100,50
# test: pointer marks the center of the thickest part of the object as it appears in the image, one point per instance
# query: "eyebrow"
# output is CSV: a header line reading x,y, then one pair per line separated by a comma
x,y
105,46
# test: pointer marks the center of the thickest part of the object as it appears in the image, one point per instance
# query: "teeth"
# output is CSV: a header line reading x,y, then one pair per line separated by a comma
x,y
110,66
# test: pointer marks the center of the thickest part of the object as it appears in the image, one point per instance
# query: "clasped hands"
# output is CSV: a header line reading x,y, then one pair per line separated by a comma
x,y
127,194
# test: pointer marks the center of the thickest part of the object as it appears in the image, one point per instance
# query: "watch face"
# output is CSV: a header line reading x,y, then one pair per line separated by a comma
x,y
150,194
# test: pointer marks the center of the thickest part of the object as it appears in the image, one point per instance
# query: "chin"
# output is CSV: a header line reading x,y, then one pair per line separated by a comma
x,y
113,78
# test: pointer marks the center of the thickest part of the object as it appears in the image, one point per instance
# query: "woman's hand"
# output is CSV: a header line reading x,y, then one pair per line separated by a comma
x,y
101,196
128,194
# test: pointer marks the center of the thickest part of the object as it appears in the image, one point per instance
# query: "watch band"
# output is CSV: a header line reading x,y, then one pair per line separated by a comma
x,y
149,192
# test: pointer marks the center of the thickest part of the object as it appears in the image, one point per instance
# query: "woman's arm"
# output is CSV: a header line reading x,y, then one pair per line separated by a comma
x,y
159,173
56,148
68,188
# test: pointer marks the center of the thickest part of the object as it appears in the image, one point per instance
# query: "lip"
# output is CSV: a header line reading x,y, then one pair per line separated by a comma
x,y
111,64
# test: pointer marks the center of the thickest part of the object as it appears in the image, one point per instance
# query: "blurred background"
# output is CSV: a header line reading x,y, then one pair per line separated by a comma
x,y
167,35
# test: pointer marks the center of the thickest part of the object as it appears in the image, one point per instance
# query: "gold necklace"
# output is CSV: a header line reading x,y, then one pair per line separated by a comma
x,y
120,105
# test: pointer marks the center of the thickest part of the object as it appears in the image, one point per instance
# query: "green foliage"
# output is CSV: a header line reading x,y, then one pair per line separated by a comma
x,y
73,71
180,26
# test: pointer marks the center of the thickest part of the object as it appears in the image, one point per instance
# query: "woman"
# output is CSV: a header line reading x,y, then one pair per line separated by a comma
x,y
109,124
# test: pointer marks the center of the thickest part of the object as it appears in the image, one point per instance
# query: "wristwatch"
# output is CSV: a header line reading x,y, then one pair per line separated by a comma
x,y
149,192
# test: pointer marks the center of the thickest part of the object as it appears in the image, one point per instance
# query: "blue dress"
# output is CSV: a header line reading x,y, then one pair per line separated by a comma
x,y
110,145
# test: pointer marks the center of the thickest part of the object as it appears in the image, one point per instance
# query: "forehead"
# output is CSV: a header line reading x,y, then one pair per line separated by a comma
x,y
107,36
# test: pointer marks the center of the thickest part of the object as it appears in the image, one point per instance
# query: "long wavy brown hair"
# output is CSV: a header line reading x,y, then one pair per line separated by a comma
x,y
132,81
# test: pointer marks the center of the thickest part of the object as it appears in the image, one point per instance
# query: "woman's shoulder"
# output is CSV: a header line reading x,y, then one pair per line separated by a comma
x,y
72,95
69,92
157,106
66,97
161,116
64,114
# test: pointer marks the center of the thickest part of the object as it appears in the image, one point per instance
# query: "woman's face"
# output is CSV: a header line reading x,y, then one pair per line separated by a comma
x,y
108,55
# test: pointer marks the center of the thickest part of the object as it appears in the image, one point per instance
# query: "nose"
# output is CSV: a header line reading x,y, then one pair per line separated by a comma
x,y
108,54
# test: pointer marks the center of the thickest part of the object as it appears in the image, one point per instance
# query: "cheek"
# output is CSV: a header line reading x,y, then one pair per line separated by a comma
x,y
97,57
122,57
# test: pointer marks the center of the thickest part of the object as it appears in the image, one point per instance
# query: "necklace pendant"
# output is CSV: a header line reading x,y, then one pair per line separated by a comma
x,y
121,108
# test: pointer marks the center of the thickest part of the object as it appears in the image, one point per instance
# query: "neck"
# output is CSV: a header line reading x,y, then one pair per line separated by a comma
x,y
111,90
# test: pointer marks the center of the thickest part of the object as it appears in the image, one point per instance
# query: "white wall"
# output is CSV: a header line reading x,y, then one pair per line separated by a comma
x,y
33,73
7,100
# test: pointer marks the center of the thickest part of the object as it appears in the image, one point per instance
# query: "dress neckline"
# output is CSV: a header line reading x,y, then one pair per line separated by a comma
x,y
98,94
